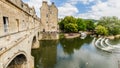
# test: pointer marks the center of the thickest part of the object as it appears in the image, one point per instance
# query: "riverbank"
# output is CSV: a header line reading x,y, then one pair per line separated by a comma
x,y
71,35
74,35
113,37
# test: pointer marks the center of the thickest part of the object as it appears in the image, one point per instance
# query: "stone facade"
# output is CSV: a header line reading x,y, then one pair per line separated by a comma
x,y
49,17
49,36
18,15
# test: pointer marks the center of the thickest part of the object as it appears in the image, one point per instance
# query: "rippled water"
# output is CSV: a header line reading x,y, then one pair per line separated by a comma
x,y
115,42
72,53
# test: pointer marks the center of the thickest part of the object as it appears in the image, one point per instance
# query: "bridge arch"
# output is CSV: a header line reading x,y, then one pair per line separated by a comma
x,y
38,34
18,61
35,42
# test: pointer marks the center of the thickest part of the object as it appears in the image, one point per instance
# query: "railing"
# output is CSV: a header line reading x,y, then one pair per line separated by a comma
x,y
8,34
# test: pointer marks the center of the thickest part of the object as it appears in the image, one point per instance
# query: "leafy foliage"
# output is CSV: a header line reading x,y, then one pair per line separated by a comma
x,y
81,24
111,23
101,30
66,26
90,25
71,27
105,26
71,24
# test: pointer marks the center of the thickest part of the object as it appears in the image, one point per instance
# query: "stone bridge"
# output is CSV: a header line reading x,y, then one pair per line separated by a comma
x,y
17,51
19,34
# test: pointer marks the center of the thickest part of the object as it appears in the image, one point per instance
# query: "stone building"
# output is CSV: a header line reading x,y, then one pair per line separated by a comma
x,y
16,16
49,17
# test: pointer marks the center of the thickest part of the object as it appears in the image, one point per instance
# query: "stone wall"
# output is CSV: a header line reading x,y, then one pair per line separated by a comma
x,y
49,36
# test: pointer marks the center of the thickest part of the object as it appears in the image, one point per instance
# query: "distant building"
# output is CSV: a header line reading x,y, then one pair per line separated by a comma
x,y
49,17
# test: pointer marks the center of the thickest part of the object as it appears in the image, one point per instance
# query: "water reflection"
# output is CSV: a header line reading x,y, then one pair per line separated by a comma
x,y
72,53
114,41
69,45
45,56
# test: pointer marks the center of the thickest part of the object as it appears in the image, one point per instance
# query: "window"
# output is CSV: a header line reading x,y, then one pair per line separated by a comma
x,y
5,22
22,5
17,21
46,15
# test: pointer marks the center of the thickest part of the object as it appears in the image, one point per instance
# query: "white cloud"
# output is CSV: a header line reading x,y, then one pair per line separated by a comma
x,y
67,10
82,1
99,9
108,8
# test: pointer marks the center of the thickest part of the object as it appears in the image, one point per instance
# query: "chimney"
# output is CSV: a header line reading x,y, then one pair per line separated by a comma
x,y
44,2
52,3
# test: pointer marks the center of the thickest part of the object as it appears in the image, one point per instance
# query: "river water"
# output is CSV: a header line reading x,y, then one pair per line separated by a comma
x,y
72,53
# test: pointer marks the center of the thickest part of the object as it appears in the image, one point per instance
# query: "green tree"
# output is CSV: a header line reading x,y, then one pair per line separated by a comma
x,y
81,24
114,30
71,27
89,25
61,25
64,23
76,24
69,19
101,30
111,23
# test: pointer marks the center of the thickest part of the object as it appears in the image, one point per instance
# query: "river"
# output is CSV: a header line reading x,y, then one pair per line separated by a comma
x,y
72,53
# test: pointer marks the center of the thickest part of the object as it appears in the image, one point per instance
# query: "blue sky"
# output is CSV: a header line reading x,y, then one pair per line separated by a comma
x,y
88,9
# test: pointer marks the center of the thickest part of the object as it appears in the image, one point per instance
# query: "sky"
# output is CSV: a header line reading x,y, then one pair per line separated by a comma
x,y
87,9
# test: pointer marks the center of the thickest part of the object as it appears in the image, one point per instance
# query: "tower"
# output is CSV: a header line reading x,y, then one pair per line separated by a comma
x,y
49,17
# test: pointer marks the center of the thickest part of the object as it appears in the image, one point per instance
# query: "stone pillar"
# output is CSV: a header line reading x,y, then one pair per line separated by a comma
x,y
35,45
